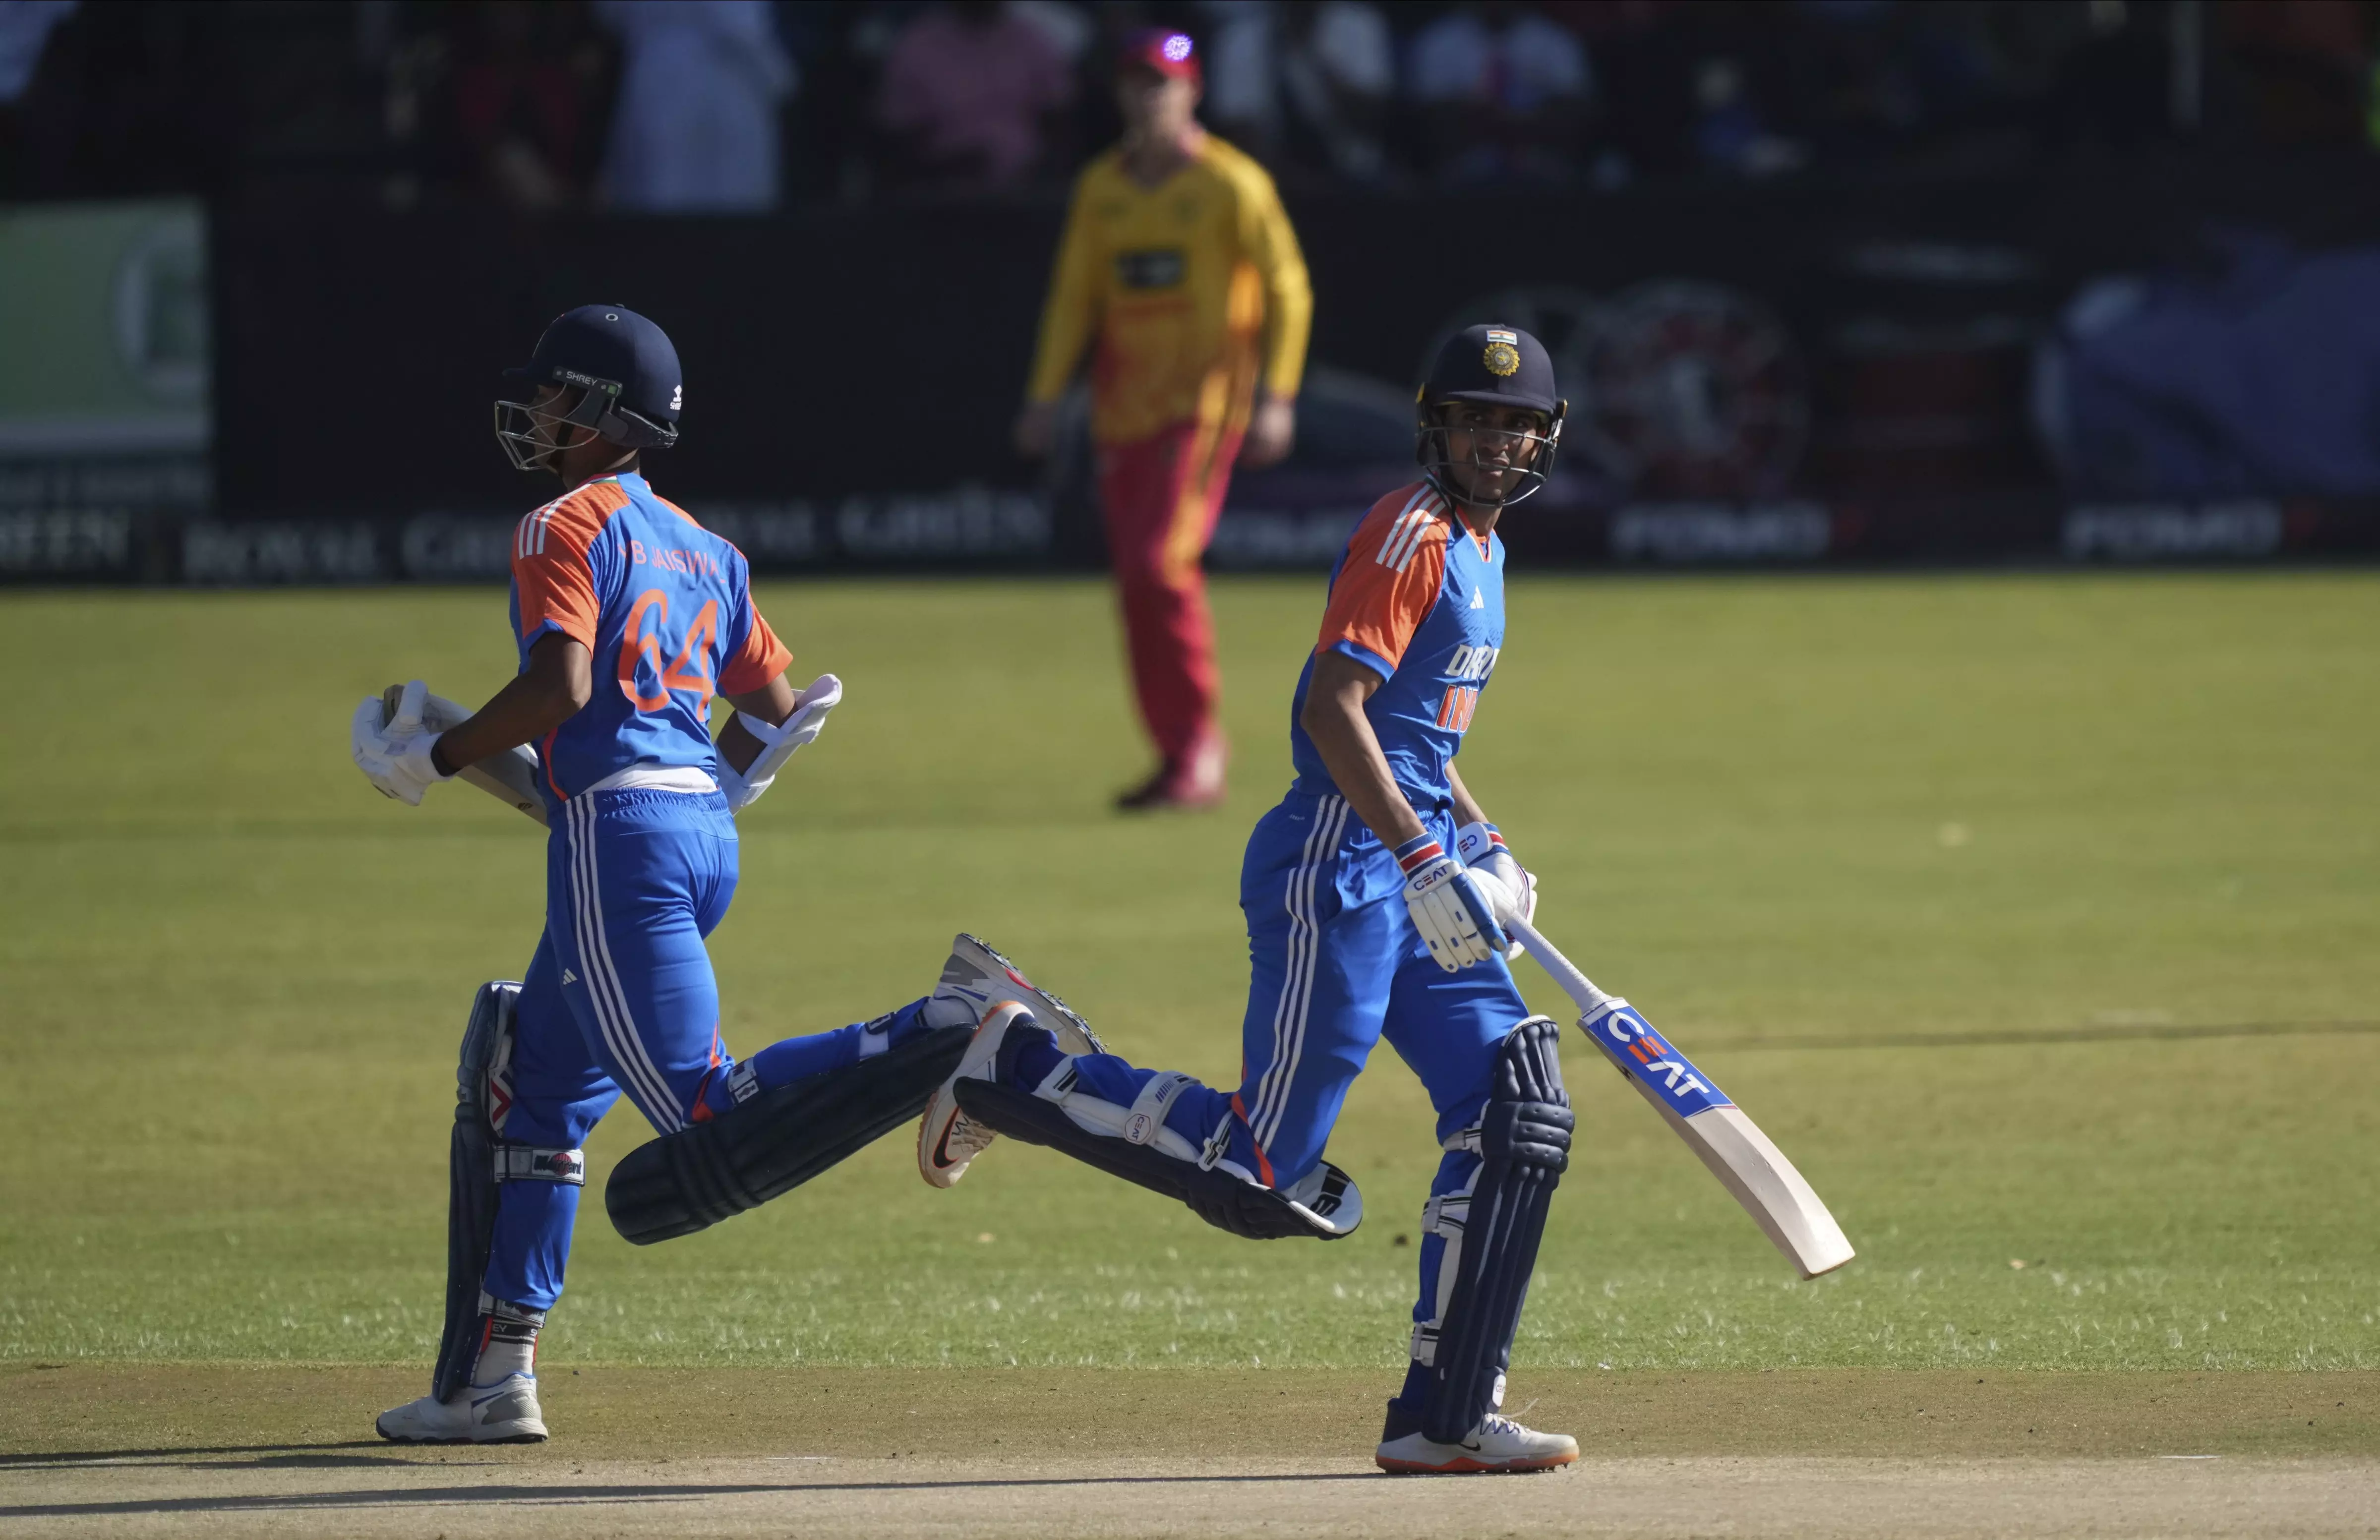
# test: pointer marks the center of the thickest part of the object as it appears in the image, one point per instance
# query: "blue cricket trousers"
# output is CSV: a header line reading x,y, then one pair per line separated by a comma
x,y
621,997
1335,966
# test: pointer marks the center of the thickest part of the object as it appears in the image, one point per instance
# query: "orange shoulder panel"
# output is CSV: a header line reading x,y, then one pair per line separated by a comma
x,y
550,567
761,658
1395,566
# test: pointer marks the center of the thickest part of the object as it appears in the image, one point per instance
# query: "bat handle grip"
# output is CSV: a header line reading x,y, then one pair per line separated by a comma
x,y
1565,973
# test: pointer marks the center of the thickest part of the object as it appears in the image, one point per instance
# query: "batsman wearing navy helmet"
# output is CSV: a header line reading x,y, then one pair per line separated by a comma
x,y
629,618
1375,894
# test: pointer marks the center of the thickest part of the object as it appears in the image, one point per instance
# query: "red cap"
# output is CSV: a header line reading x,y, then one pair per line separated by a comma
x,y
1169,53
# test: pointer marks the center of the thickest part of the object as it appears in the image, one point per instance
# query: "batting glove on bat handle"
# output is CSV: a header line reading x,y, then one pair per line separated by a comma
x,y
1451,910
1510,886
391,745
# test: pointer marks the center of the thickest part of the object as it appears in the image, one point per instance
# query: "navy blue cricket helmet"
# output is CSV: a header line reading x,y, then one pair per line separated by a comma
x,y
1493,365
629,387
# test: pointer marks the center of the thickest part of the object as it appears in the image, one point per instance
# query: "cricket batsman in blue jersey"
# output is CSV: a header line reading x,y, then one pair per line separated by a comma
x,y
629,617
1373,895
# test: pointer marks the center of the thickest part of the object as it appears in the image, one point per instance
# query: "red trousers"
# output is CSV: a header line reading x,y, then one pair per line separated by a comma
x,y
1160,496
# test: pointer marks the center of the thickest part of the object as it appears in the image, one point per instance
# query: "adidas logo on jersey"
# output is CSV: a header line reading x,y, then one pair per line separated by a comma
x,y
1478,598
1471,662
569,978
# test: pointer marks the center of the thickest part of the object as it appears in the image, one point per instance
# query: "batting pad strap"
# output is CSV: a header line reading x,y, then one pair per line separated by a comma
x,y
527,1163
506,1311
1325,1205
1146,1116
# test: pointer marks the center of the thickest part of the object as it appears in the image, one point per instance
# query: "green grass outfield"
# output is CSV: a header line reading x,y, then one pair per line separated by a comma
x,y
1940,876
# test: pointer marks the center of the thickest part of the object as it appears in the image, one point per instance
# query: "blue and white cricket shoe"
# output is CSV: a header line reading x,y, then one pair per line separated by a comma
x,y
504,1412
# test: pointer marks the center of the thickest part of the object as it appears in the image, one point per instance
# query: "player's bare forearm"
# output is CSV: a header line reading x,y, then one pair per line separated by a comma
x,y
772,703
548,692
1342,734
1466,806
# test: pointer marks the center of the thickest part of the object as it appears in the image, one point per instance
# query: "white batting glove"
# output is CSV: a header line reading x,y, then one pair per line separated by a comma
x,y
394,756
778,743
1450,906
1510,886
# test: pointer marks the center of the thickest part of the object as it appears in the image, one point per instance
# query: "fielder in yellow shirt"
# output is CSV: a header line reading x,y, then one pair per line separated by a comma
x,y
1180,276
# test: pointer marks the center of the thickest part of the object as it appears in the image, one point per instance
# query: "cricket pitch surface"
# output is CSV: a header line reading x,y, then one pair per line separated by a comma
x,y
91,1449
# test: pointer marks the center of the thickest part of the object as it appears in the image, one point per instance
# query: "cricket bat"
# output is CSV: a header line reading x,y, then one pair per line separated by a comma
x,y
1732,1145
509,776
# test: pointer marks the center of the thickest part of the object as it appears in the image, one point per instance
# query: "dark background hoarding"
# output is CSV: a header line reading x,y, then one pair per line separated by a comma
x,y
884,348
2064,280
1746,367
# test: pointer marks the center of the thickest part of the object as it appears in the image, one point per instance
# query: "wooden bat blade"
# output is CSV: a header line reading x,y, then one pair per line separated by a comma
x,y
509,776
1748,1163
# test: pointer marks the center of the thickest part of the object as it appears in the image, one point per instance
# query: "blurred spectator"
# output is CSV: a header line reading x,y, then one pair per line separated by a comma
x,y
1505,92
25,27
974,95
1306,86
529,90
120,100
24,32
1730,133
695,130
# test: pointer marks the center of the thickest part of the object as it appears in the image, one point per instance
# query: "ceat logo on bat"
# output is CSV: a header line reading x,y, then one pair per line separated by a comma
x,y
1637,1048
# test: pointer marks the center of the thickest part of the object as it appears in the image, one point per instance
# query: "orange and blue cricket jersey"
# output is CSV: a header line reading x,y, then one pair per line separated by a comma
x,y
641,862
1419,600
663,606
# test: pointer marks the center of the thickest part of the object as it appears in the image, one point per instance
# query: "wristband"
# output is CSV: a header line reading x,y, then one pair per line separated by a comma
x,y
1467,843
438,757
1419,851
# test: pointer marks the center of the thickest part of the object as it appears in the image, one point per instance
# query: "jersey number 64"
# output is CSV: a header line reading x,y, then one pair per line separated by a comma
x,y
641,654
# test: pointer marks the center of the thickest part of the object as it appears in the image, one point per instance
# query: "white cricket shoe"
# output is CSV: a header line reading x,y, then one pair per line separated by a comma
x,y
947,1138
1498,1446
504,1412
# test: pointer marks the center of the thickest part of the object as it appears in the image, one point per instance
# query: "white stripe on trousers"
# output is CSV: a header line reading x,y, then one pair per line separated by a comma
x,y
641,1078
1297,985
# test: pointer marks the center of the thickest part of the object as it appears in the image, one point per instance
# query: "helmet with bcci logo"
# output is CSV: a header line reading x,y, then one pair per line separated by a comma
x,y
1491,366
628,389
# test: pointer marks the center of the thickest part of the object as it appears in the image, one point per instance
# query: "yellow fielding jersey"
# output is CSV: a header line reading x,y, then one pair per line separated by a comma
x,y
1192,289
